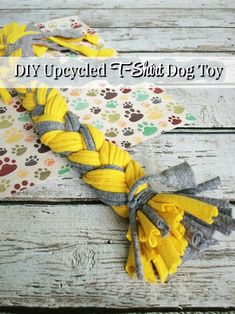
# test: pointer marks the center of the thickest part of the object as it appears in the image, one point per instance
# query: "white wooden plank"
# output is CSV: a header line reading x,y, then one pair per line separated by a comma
x,y
130,17
170,39
59,255
71,4
210,155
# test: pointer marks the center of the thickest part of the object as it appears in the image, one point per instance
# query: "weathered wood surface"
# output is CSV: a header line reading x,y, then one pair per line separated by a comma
x,y
209,154
133,17
73,255
97,4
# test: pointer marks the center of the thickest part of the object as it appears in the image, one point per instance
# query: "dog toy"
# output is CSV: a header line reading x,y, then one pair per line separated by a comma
x,y
165,228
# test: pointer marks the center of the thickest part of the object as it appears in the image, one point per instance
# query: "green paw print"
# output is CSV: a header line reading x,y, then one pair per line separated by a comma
x,y
147,129
98,124
4,184
19,150
6,122
175,108
92,92
24,117
65,169
140,95
42,174
111,104
111,115
80,104
190,117
112,132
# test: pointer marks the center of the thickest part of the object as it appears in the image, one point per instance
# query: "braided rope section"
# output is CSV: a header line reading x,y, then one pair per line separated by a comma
x,y
156,231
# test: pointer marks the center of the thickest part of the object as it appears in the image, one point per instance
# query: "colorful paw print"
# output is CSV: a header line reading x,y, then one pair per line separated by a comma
x,y
95,110
80,104
156,100
7,166
4,185
18,150
3,151
42,174
65,169
24,117
156,90
6,122
92,92
108,93
190,117
140,95
111,104
111,116
49,162
174,120
41,147
147,129
127,105
27,126
3,110
13,135
154,113
127,131
98,124
21,186
112,132
175,108
125,89
32,160
18,106
133,115
125,144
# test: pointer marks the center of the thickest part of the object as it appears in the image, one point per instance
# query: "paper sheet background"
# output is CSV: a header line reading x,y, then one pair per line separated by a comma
x,y
127,116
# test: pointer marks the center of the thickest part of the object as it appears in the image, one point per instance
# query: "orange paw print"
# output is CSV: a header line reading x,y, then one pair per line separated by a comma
x,y
121,123
75,92
30,138
145,105
49,162
163,124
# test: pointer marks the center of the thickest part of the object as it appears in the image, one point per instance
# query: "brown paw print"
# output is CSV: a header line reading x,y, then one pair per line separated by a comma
x,y
18,106
125,90
156,90
21,186
128,131
125,144
133,115
174,120
76,25
95,110
3,151
127,105
41,147
7,166
3,110
40,26
90,31
28,126
108,93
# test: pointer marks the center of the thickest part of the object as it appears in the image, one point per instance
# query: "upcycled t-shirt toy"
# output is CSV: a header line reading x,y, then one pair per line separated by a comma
x,y
165,228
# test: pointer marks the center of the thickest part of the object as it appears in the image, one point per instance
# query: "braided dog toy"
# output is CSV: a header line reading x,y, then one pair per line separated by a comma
x,y
165,229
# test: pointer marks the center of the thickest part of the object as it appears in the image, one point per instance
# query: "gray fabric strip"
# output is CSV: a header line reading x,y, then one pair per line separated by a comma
x,y
202,187
38,110
46,126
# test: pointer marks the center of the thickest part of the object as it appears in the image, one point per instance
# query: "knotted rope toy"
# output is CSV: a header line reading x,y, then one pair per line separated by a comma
x,y
165,229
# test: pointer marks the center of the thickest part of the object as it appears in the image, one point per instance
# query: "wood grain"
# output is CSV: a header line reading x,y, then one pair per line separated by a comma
x,y
133,17
210,155
71,4
63,255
